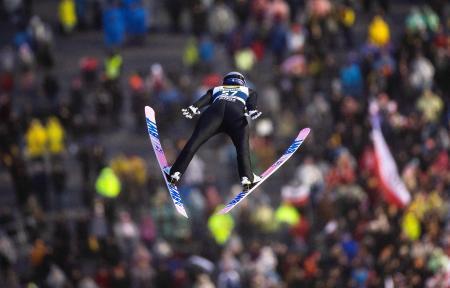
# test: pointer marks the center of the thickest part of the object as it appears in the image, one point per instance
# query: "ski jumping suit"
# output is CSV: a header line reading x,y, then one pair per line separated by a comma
x,y
226,113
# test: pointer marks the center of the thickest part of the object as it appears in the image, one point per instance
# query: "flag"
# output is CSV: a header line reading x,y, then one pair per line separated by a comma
x,y
391,185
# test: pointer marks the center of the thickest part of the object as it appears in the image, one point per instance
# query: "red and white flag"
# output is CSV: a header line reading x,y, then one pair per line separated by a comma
x,y
392,186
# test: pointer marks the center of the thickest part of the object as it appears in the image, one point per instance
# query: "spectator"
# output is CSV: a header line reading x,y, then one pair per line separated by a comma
x,y
191,54
351,78
422,72
221,20
113,69
36,140
56,147
220,226
67,15
107,184
430,105
113,26
135,22
379,32
347,21
206,53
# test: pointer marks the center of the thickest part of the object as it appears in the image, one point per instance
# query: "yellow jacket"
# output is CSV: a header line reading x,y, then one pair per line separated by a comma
x,y
36,139
108,184
221,226
55,134
379,33
67,14
112,66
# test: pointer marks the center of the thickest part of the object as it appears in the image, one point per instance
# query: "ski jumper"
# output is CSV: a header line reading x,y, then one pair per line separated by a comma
x,y
226,110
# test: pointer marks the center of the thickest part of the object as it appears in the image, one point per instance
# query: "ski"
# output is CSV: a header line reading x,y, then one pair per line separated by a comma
x,y
162,161
274,167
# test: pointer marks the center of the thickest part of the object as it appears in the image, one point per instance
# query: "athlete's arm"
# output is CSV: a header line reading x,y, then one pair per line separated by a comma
x,y
194,109
205,100
252,105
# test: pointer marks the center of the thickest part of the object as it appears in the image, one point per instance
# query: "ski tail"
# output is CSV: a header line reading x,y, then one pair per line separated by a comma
x,y
274,167
162,161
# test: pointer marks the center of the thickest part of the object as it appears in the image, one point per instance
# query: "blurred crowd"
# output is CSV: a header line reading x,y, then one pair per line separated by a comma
x,y
85,215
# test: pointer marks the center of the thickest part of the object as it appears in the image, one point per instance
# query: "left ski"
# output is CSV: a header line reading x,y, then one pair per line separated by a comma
x,y
287,154
162,161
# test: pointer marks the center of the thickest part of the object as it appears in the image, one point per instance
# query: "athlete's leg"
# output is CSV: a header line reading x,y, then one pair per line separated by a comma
x,y
240,138
236,126
208,125
238,130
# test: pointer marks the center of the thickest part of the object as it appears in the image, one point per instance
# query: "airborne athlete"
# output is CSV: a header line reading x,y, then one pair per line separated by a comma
x,y
228,108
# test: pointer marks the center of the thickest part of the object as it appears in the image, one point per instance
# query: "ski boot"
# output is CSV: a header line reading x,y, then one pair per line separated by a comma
x,y
247,185
172,178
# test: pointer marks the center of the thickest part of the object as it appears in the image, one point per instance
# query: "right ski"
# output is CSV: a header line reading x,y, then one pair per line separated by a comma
x,y
162,161
287,154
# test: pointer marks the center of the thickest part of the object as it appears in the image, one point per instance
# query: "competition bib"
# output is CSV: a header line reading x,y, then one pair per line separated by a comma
x,y
231,93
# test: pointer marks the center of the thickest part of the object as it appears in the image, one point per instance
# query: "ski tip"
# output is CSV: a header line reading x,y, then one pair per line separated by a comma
x,y
182,211
304,133
149,112
223,211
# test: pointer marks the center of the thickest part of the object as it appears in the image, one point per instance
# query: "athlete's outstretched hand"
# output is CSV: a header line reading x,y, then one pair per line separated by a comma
x,y
190,112
254,114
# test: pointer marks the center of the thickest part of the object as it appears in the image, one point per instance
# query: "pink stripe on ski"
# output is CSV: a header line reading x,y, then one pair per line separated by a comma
x,y
160,156
274,166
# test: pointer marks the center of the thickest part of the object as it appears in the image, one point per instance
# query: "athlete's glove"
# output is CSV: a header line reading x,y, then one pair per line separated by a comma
x,y
254,114
190,112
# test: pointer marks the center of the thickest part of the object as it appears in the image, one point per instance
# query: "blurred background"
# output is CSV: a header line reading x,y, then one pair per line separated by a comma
x,y
83,202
